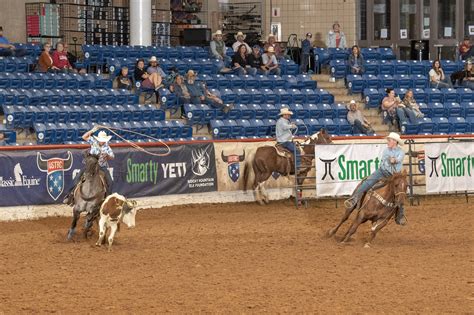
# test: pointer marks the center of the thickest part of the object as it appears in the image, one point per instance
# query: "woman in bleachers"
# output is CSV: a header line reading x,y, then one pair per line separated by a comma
x,y
179,88
148,81
437,78
393,112
356,61
123,80
412,110
240,63
465,77
336,38
45,62
60,59
271,42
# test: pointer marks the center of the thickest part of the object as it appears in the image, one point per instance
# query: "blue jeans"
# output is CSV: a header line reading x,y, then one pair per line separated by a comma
x,y
251,71
441,84
289,145
369,182
304,63
357,127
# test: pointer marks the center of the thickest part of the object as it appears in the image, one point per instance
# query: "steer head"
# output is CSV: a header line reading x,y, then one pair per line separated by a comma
x,y
129,213
43,164
225,158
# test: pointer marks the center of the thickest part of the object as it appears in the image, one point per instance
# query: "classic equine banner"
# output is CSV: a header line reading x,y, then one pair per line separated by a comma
x,y
31,178
449,167
339,168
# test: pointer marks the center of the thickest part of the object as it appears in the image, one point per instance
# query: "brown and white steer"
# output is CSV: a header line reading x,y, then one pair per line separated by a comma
x,y
114,209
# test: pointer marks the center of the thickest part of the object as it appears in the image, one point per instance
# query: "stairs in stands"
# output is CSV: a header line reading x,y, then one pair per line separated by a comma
x,y
341,95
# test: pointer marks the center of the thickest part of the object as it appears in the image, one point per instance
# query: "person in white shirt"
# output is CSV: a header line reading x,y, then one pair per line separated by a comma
x,y
240,40
270,63
437,78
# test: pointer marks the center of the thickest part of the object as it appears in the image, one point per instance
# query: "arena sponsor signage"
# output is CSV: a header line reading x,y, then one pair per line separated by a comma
x,y
339,168
449,167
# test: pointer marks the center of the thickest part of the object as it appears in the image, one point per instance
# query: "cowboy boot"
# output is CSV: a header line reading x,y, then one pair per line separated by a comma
x,y
400,216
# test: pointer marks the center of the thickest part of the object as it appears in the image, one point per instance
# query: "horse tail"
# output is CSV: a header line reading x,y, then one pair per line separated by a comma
x,y
246,175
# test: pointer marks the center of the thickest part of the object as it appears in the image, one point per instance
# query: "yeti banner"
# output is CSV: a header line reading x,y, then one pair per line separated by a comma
x,y
45,177
449,167
339,168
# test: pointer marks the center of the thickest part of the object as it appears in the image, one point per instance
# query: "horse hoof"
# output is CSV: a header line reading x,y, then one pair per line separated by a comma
x,y
329,234
266,201
70,234
98,244
260,202
367,245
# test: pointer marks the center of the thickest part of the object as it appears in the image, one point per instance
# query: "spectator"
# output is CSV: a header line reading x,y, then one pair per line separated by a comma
x,y
255,60
179,88
356,61
148,81
271,42
123,80
214,100
240,40
465,77
195,90
45,62
218,49
437,78
318,41
270,63
240,62
412,109
336,38
60,59
466,50
305,52
154,67
393,112
72,59
7,49
359,123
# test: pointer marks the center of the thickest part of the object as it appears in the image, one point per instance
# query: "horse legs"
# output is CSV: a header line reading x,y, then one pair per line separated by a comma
x,y
377,227
72,229
355,224
264,193
346,216
102,231
113,229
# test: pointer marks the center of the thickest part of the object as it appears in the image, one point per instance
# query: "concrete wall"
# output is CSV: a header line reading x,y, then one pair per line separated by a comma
x,y
13,20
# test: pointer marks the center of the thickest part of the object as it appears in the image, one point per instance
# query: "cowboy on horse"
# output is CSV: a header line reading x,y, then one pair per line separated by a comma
x,y
392,161
99,147
284,135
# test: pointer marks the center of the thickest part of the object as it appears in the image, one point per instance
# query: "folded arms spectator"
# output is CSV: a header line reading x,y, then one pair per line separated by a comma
x,y
7,49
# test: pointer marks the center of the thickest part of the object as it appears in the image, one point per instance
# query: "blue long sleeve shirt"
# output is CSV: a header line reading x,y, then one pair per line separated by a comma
x,y
283,130
388,153
306,47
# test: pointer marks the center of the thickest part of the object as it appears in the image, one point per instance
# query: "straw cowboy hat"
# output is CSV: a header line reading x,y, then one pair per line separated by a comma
x,y
270,49
285,111
395,136
191,73
240,34
218,32
102,137
153,59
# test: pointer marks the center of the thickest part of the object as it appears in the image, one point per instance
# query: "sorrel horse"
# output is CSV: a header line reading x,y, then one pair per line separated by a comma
x,y
267,160
378,205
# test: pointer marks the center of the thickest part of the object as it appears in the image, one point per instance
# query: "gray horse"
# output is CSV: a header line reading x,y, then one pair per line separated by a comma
x,y
88,195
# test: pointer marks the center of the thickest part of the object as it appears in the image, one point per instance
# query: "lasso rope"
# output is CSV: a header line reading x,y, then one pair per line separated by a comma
x,y
134,145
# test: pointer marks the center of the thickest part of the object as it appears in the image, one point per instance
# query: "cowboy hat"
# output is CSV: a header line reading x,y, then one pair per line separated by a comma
x,y
240,34
270,49
102,137
285,111
218,32
153,59
395,136
270,35
191,73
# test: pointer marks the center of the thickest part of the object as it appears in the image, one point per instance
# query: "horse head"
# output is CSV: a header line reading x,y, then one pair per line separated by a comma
x,y
92,164
399,187
320,137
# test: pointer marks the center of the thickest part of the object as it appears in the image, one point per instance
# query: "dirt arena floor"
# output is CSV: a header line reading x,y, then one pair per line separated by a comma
x,y
244,258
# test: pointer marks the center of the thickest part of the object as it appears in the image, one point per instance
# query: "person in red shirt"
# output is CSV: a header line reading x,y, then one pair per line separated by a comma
x,y
466,50
60,59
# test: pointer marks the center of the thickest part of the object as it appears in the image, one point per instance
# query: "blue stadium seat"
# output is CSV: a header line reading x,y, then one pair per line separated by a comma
x,y
257,96
387,53
373,97
453,109
45,133
338,68
291,82
297,96
270,124
420,81
340,110
321,57
401,67
300,112
324,96
417,67
242,96
388,82
305,81
434,95
271,111
236,81
329,125
250,82
449,67
313,125
420,95
437,109
222,81
465,94
468,109
247,112
263,81
470,121
355,83
426,125
403,81
371,81
459,125
371,67
370,53
283,96
314,110
209,80
450,95
442,124
311,96
327,110
386,67
344,127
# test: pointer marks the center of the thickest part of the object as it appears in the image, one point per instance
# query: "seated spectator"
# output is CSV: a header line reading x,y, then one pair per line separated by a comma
x,y
171,77
195,90
148,81
270,63
464,77
356,61
305,53
72,59
466,50
255,60
357,120
154,67
218,49
411,106
45,62
179,88
271,42
240,40
60,59
437,78
123,81
214,100
393,112
240,62
7,49
336,38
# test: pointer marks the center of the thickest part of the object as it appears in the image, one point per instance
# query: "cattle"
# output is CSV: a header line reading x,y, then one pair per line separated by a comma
x,y
114,209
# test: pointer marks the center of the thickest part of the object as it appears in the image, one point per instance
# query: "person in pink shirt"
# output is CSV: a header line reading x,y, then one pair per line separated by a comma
x,y
60,59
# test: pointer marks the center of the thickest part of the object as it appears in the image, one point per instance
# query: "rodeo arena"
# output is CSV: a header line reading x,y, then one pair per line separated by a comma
x,y
236,156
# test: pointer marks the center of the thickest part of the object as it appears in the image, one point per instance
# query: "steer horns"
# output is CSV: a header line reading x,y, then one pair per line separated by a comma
x,y
43,164
225,158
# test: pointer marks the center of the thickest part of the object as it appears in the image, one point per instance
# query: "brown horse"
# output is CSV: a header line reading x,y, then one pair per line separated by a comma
x,y
378,205
267,160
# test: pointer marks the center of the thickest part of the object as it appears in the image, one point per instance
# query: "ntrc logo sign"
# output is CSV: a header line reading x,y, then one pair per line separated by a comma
x,y
54,169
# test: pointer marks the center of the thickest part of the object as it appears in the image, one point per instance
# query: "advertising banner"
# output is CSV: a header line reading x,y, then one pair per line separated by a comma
x,y
449,167
339,168
32,178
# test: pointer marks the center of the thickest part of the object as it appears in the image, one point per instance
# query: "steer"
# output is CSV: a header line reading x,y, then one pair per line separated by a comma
x,y
115,208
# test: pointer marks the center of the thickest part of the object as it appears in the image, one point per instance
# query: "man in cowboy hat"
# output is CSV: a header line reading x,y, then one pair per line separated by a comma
x,y
270,63
99,146
217,44
154,67
240,40
284,135
195,90
359,123
271,42
391,162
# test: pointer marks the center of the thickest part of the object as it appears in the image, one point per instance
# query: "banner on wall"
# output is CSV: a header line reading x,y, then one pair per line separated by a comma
x,y
339,168
449,167
31,178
